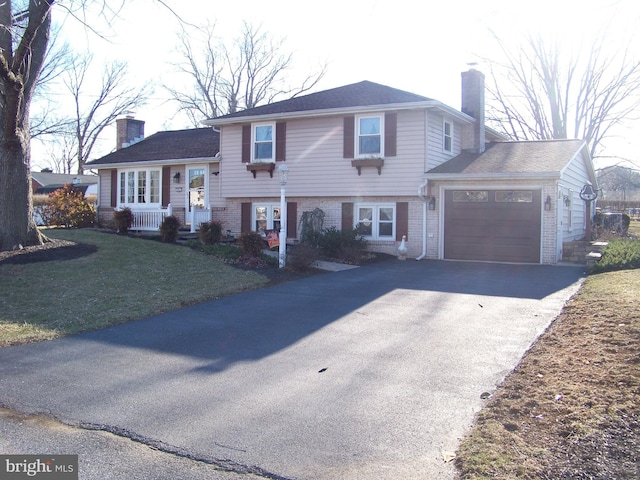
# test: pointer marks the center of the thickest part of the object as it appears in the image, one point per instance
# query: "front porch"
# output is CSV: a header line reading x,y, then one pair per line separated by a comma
x,y
149,220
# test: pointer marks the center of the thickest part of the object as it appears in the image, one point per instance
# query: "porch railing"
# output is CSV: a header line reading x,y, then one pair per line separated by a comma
x,y
198,216
149,220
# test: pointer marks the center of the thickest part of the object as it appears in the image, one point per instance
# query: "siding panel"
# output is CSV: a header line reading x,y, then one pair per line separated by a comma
x,y
317,167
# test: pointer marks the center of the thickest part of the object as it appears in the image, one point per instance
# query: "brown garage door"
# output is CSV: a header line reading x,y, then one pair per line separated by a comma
x,y
492,225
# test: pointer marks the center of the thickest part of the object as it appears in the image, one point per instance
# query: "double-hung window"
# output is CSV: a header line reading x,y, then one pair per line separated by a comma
x,y
447,137
263,142
377,222
266,217
139,187
369,136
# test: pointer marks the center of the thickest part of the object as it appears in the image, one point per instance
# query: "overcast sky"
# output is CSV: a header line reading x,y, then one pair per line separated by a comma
x,y
421,47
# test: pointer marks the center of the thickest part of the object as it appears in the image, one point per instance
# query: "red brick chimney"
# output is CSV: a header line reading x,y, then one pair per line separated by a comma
x,y
129,131
473,105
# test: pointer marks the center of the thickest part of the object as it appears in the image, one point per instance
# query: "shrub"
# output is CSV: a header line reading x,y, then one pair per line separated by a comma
x,y
611,223
210,233
619,254
311,224
302,257
67,207
123,220
169,229
346,245
251,244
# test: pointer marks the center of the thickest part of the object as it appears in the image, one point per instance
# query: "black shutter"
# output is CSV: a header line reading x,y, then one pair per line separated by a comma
x,y
402,220
390,134
166,186
245,217
114,188
292,220
349,137
281,141
347,216
246,143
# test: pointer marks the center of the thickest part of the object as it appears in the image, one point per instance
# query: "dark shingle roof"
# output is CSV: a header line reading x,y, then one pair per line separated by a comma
x,y
169,145
360,94
50,178
513,157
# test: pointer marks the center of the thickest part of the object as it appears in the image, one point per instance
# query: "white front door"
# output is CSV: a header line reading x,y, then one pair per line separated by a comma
x,y
197,187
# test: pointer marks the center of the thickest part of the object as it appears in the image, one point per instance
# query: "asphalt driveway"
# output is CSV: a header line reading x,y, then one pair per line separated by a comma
x,y
366,373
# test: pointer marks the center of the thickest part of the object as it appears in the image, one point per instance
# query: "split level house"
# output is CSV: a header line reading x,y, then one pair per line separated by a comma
x,y
393,163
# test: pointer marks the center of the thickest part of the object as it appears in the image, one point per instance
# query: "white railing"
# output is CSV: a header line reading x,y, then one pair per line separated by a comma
x,y
198,216
149,220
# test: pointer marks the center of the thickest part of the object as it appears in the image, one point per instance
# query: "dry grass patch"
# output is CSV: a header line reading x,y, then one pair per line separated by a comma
x,y
571,408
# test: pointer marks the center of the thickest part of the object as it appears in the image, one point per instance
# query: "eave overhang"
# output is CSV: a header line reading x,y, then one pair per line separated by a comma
x,y
430,104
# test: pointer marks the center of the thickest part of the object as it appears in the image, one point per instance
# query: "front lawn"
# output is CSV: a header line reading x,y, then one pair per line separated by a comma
x,y
571,408
108,280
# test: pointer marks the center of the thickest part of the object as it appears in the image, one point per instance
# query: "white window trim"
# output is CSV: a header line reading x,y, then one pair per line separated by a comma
x,y
135,203
273,142
446,122
376,220
270,219
380,117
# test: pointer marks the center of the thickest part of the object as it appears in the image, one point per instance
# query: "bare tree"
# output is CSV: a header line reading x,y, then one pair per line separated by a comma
x,y
111,100
45,117
227,78
203,63
619,181
540,91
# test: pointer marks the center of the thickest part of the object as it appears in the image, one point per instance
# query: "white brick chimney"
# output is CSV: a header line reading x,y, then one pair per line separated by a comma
x,y
473,105
129,131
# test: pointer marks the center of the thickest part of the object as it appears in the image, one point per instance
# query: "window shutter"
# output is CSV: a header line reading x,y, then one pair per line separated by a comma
x,y
347,216
292,220
349,137
390,134
281,141
246,143
245,217
166,186
402,220
114,188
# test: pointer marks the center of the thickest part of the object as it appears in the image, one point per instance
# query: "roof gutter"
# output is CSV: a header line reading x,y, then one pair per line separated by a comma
x,y
173,161
491,176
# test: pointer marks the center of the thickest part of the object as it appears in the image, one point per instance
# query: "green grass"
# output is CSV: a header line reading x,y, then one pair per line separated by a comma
x,y
619,254
125,279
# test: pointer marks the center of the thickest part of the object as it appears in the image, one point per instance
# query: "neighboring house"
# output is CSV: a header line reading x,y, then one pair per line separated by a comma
x,y
47,182
390,162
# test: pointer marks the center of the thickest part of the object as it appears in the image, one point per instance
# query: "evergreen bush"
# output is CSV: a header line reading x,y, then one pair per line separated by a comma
x,y
169,229
123,219
251,244
210,232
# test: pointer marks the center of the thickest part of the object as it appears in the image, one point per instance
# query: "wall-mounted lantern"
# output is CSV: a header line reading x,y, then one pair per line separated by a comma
x,y
567,201
432,203
547,203
176,178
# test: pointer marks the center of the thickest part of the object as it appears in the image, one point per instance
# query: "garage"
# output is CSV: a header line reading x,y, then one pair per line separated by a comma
x,y
492,225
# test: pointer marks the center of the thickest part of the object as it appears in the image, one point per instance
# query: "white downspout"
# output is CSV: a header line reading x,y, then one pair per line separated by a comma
x,y
421,189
